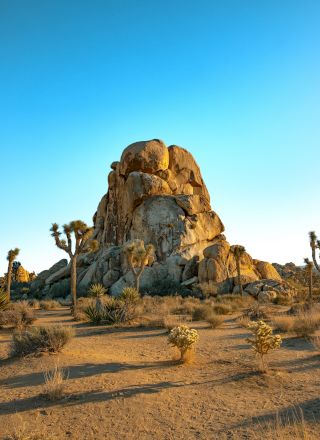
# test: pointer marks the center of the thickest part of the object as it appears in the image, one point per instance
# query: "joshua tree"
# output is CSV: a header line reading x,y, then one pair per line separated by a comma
x,y
12,255
138,255
15,267
314,244
237,252
309,270
82,234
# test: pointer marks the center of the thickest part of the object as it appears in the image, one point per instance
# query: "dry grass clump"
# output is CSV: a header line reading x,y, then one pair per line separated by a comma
x,y
34,303
41,340
201,312
54,383
222,309
171,321
292,426
208,289
316,343
283,324
49,304
18,315
244,321
214,320
306,323
235,302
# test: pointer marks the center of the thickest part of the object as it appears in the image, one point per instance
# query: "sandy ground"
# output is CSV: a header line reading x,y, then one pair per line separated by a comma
x,y
125,385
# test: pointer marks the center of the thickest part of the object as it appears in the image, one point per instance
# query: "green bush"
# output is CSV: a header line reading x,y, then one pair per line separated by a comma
x,y
41,339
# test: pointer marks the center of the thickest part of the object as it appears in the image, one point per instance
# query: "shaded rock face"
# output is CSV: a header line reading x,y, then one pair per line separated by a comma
x,y
157,194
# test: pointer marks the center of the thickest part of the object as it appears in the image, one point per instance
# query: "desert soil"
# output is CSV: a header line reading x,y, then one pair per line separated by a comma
x,y
124,384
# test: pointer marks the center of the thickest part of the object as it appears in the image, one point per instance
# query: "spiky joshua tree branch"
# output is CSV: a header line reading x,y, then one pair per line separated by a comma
x,y
138,256
12,255
314,244
82,234
237,251
309,270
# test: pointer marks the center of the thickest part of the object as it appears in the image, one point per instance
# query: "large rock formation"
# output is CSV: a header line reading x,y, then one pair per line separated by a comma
x,y
157,194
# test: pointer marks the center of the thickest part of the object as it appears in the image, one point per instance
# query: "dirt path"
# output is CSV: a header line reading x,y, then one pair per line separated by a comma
x,y
124,384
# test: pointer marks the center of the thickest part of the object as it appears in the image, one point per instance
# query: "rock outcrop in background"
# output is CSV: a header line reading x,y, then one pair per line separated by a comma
x,y
157,194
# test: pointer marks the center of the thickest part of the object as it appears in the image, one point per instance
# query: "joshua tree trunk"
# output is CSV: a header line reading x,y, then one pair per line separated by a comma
x,y
9,275
73,282
310,286
314,257
239,276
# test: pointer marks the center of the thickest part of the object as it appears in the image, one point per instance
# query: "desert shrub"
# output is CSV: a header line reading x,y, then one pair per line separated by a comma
x,y
167,288
41,339
263,340
49,304
34,303
306,323
235,302
316,343
256,313
97,290
243,321
171,321
17,315
201,312
184,339
221,309
3,299
208,289
214,320
282,323
282,300
54,383
186,306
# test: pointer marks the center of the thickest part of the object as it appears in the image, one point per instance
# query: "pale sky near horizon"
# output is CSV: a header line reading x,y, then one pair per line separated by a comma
x,y
235,82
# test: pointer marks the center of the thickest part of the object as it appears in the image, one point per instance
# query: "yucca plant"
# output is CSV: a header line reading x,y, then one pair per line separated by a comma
x,y
97,291
83,244
95,316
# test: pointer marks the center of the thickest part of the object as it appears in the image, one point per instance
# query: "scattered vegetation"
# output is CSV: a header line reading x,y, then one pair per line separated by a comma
x,y
18,315
49,304
237,252
214,320
138,256
12,255
41,340
82,235
263,341
114,310
54,383
184,338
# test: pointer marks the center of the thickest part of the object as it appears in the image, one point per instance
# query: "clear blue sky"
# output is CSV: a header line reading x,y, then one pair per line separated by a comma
x,y
235,82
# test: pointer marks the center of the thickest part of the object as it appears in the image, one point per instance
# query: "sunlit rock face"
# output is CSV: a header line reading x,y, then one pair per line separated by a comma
x,y
156,193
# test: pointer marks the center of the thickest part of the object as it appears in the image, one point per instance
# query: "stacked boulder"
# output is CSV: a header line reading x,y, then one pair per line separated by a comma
x,y
156,194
